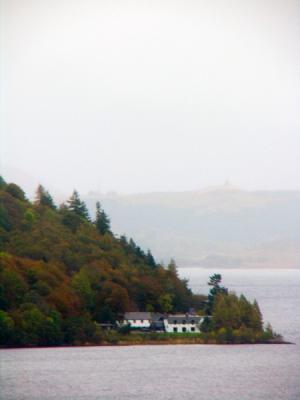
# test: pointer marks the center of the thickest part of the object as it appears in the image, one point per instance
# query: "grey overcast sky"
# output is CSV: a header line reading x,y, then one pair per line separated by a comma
x,y
139,96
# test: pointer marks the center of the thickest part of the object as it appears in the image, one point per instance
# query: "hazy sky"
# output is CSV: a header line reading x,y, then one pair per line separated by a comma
x,y
150,95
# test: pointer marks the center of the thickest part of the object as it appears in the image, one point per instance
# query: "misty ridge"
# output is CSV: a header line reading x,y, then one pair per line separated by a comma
x,y
217,227
153,97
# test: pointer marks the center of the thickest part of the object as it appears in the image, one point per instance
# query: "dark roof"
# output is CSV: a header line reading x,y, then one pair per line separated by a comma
x,y
137,315
157,317
179,318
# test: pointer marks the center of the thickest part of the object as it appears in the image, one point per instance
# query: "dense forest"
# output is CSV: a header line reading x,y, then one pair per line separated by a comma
x,y
62,273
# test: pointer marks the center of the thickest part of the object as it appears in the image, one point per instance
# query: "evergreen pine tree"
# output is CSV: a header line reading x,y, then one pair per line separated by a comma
x,y
150,259
172,267
78,206
214,281
139,252
2,182
132,244
102,221
123,240
257,319
43,197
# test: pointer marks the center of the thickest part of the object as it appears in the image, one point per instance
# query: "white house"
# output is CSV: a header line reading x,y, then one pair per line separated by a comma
x,y
183,323
138,320
158,322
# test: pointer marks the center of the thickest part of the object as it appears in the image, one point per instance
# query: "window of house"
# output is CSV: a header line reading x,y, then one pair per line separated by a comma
x,y
175,329
192,329
184,322
175,321
183,329
142,320
192,322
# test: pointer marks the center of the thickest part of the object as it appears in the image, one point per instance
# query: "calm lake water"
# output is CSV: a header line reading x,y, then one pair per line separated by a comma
x,y
248,372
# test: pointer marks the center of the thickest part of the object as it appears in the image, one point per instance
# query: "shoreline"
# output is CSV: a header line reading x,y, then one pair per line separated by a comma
x,y
149,343
253,268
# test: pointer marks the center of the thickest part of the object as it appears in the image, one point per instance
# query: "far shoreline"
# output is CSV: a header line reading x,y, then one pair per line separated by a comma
x,y
148,343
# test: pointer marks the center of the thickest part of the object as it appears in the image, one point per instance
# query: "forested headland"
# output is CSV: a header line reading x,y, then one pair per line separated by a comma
x,y
64,273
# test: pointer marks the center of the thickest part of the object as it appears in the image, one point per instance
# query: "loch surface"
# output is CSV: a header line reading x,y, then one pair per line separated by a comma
x,y
214,372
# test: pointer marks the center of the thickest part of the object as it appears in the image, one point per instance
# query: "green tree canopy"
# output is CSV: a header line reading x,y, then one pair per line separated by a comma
x,y
165,302
15,191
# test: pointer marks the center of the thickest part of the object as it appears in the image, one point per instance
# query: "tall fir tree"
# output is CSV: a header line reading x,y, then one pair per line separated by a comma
x,y
44,198
123,240
78,206
132,244
214,282
102,221
150,259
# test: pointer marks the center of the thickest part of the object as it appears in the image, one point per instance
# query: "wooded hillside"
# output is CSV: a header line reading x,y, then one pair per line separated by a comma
x,y
61,272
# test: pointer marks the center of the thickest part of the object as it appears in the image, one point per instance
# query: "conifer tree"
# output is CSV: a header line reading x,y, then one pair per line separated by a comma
x,y
2,182
214,281
78,206
123,240
172,267
43,197
102,221
150,259
139,252
257,319
132,244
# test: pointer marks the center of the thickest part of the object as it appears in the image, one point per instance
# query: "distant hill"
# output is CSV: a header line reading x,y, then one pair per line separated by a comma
x,y
219,227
